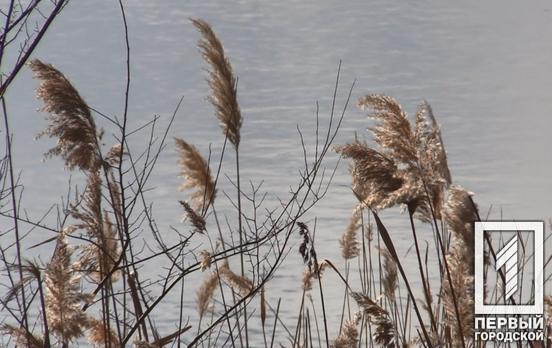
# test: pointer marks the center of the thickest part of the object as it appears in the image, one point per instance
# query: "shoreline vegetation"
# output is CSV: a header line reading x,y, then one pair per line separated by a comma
x,y
91,290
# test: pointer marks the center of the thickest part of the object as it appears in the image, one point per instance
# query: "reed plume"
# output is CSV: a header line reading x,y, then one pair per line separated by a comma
x,y
433,163
206,293
460,214
21,337
312,273
114,155
348,337
462,284
70,118
66,320
239,283
374,175
197,220
222,82
100,335
205,259
394,132
348,241
197,175
97,258
384,333
429,141
411,165
390,276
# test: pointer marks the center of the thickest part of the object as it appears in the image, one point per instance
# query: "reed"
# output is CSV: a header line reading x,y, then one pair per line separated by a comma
x,y
197,175
71,121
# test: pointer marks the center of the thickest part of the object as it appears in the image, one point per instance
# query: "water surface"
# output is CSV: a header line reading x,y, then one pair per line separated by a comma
x,y
483,66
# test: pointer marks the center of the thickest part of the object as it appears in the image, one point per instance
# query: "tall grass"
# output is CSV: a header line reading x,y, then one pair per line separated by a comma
x,y
92,288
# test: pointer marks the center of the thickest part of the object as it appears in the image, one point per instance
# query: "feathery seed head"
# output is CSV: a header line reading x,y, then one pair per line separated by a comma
x,y
206,292
197,175
71,121
348,241
66,320
197,220
222,82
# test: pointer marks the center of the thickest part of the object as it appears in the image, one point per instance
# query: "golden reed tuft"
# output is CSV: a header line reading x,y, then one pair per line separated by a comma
x,y
99,334
460,213
374,174
390,276
393,131
204,259
239,283
348,241
348,338
196,220
197,175
66,320
410,167
21,336
222,82
312,273
206,292
70,118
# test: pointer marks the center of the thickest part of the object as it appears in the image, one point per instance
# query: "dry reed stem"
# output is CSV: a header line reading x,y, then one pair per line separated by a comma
x,y
548,308
263,306
144,344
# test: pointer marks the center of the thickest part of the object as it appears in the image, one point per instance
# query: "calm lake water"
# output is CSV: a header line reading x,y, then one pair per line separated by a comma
x,y
485,67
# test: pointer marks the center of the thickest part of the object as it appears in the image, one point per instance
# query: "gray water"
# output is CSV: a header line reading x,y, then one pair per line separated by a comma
x,y
483,66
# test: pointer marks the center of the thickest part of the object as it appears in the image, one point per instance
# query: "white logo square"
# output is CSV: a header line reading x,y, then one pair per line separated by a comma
x,y
507,256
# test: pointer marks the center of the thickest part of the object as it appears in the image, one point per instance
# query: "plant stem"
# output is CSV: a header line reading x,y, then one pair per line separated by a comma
x,y
240,231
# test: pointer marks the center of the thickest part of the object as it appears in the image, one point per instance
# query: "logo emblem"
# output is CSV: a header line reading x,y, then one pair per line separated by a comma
x,y
508,257
507,260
